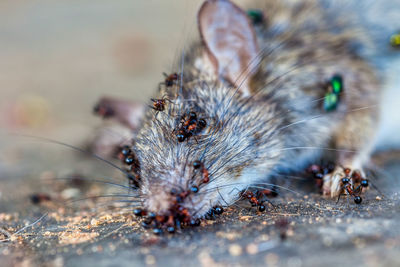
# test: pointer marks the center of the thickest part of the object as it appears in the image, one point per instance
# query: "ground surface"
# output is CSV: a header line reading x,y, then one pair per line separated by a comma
x,y
57,59
97,232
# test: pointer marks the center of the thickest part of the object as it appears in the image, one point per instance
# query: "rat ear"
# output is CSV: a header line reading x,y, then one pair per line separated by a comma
x,y
230,41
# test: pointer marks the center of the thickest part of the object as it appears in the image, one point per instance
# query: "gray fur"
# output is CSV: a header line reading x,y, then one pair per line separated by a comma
x,y
247,140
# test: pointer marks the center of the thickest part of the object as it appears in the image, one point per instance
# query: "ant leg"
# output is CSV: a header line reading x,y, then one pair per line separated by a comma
x,y
377,190
195,138
339,198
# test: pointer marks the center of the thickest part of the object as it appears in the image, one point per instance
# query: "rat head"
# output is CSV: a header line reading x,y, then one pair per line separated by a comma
x,y
209,142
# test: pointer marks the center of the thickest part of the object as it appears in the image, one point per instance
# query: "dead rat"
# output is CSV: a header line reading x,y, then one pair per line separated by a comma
x,y
256,95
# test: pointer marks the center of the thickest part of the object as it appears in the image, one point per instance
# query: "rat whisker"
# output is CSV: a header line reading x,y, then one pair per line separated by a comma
x,y
103,196
322,115
48,140
90,180
22,229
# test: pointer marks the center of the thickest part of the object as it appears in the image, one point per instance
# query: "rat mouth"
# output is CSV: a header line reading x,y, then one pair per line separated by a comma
x,y
174,219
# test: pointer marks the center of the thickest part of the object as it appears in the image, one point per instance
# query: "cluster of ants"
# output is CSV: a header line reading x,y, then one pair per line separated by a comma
x,y
352,183
177,215
127,157
189,124
170,80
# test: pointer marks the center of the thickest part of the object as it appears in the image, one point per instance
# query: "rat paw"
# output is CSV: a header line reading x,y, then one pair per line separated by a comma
x,y
332,182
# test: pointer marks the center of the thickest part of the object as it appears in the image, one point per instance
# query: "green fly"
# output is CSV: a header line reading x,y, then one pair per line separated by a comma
x,y
335,87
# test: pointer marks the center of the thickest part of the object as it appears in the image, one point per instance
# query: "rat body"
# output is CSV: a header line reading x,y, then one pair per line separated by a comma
x,y
260,87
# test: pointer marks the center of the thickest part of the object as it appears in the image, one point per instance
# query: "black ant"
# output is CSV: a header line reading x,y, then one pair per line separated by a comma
x,y
197,164
319,171
349,189
255,198
210,215
40,198
127,156
170,79
159,104
348,185
189,125
177,215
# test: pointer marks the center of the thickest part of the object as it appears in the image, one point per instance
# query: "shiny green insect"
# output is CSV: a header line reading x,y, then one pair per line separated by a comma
x,y
335,87
255,15
395,40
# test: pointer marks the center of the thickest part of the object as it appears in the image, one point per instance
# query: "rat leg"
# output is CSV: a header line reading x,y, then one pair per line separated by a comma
x,y
109,137
354,140
107,140
127,113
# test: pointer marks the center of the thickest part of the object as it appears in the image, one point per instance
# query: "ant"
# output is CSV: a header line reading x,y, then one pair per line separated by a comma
x,y
177,215
170,79
210,215
159,104
39,198
319,172
348,182
197,164
189,125
351,191
255,198
127,156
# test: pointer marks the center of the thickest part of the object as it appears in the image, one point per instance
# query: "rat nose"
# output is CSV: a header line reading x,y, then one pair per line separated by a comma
x,y
159,201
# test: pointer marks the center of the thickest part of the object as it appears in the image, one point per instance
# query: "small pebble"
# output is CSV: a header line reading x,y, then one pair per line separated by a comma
x,y
235,250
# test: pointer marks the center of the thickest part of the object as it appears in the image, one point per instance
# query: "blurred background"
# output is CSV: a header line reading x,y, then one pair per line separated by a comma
x,y
57,58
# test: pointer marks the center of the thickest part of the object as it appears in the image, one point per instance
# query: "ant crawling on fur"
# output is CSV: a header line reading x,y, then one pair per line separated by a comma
x,y
127,156
189,125
176,217
177,214
159,104
197,164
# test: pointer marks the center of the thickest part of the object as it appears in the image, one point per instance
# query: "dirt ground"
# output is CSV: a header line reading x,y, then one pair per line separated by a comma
x,y
57,59
103,232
